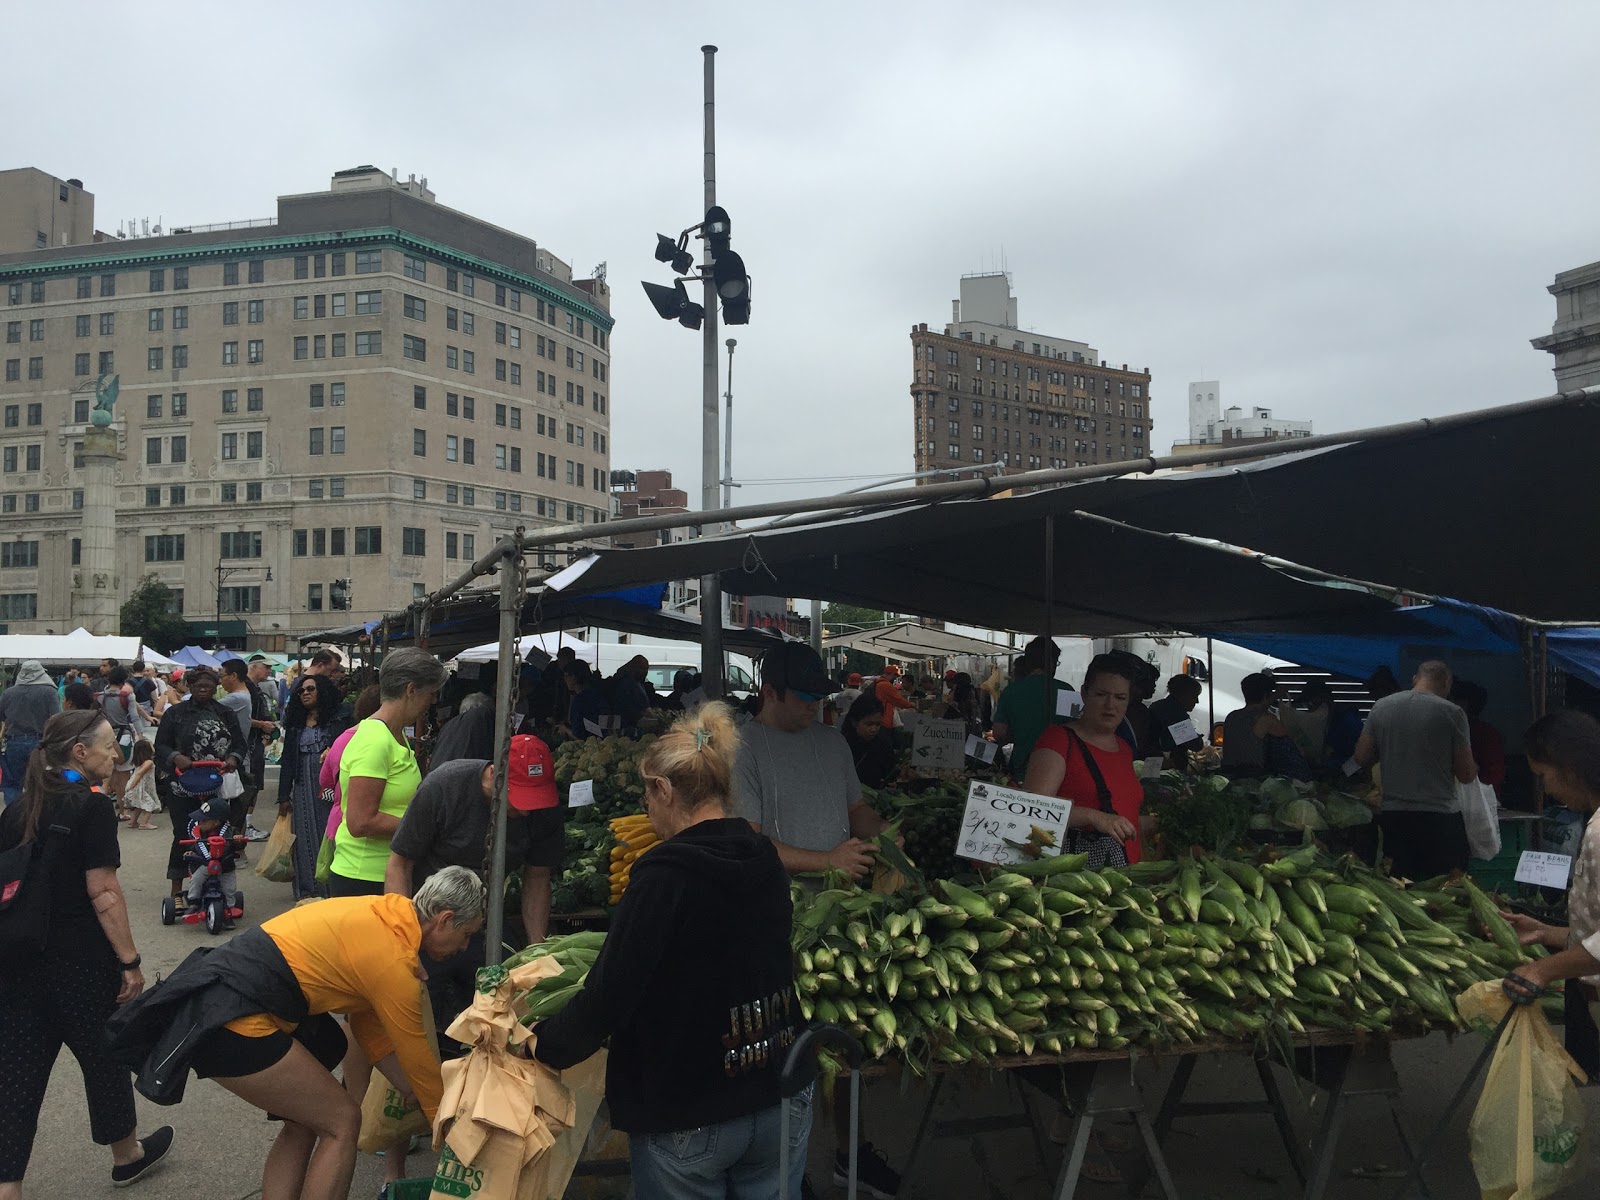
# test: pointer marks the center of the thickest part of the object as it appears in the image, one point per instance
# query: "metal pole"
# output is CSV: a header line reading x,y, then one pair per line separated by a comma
x,y
510,612
711,667
1049,575
727,437
816,626
1211,690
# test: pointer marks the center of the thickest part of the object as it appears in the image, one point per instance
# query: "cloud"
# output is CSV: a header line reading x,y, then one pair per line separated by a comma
x,y
1347,213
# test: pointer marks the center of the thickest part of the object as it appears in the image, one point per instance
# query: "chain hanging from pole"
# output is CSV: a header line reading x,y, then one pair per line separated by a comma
x,y
516,562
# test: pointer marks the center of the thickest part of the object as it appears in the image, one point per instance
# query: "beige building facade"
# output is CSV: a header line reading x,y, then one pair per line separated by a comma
x,y
356,399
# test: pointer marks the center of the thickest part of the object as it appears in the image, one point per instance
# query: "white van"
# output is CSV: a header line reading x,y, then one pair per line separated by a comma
x,y
668,658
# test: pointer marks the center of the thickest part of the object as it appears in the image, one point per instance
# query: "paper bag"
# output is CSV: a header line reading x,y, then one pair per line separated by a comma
x,y
386,1118
1526,1136
501,1113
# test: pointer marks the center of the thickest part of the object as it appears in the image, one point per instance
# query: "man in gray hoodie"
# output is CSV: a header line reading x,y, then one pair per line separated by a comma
x,y
25,706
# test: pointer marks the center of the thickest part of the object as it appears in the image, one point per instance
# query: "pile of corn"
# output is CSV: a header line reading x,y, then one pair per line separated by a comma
x,y
634,836
575,952
1052,958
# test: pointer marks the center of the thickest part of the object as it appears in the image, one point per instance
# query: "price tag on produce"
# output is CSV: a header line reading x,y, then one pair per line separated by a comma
x,y
910,720
939,746
1543,870
1069,704
581,794
1007,826
1152,767
693,701
1351,767
981,749
1183,732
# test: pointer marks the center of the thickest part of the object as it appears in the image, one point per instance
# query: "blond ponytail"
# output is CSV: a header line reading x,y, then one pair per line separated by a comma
x,y
696,756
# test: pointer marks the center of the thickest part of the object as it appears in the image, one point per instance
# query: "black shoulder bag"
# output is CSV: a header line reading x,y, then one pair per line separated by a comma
x,y
1103,849
25,872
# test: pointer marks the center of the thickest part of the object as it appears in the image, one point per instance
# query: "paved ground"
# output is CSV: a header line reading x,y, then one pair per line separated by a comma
x,y
222,1142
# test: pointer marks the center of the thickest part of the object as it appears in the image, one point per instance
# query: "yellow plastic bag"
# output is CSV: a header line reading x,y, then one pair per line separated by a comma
x,y
1527,1131
276,865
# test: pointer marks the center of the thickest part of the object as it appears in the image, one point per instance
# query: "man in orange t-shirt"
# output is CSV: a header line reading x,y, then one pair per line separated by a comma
x,y
887,690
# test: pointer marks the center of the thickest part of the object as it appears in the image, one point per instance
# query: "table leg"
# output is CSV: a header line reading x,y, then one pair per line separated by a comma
x,y
1067,1186
925,1124
1157,1161
1405,1145
1175,1093
1034,1127
1280,1117
1327,1143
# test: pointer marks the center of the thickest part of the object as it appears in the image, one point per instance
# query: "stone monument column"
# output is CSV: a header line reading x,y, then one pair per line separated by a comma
x,y
97,598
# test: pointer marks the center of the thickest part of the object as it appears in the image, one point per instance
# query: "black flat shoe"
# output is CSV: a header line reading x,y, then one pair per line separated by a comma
x,y
155,1149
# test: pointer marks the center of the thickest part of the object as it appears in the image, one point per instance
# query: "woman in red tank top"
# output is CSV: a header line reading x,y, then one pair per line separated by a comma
x,y
1086,762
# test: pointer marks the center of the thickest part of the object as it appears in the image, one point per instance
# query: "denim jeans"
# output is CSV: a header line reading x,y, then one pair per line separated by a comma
x,y
736,1160
14,764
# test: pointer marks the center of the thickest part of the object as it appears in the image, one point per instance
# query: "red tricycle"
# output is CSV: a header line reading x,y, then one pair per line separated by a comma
x,y
202,780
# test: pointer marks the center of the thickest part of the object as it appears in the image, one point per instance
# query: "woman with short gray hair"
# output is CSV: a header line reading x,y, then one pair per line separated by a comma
x,y
257,1015
378,773
455,890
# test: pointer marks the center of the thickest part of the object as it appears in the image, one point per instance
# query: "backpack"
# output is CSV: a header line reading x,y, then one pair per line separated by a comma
x,y
25,872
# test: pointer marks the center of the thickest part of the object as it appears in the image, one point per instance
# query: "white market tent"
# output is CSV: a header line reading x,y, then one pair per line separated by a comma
x,y
79,646
909,641
547,643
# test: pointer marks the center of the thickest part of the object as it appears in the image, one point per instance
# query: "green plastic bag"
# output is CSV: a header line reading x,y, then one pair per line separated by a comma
x,y
1527,1131
276,864
325,860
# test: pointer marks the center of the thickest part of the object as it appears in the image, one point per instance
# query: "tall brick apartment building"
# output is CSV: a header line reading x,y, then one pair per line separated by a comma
x,y
985,392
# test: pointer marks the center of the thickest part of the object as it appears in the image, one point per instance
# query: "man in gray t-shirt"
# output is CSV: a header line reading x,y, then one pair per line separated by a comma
x,y
1420,742
794,779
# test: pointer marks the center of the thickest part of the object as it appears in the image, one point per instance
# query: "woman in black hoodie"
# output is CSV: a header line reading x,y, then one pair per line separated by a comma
x,y
695,987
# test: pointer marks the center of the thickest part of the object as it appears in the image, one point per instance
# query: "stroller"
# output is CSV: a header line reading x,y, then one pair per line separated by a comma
x,y
201,782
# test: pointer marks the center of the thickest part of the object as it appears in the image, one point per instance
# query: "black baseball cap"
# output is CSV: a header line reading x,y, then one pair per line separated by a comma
x,y
795,666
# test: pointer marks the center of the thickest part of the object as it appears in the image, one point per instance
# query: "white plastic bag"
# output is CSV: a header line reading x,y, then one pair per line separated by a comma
x,y
1481,810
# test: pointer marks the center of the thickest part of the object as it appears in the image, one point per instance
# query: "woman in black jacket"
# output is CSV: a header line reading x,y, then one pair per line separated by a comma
x,y
309,728
694,985
89,965
870,746
198,730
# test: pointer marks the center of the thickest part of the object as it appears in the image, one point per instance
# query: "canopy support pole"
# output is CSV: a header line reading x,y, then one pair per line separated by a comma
x,y
1049,575
505,681
1211,690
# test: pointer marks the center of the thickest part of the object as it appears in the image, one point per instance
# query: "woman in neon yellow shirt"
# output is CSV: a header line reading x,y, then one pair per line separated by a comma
x,y
378,774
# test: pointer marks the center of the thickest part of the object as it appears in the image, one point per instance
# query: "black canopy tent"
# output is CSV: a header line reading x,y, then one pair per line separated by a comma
x,y
1501,512
984,562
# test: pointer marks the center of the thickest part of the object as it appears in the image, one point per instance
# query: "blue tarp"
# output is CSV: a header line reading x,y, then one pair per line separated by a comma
x,y
1383,639
194,656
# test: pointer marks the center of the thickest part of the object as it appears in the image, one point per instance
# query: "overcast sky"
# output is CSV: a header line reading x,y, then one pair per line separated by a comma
x,y
1348,214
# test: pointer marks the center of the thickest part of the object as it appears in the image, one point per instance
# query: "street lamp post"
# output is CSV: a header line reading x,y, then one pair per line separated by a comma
x,y
223,573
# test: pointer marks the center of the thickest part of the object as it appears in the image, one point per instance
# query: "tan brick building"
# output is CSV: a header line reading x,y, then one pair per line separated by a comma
x,y
985,392
359,395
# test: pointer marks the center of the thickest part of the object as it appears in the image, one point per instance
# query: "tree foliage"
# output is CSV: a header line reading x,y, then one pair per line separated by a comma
x,y
147,614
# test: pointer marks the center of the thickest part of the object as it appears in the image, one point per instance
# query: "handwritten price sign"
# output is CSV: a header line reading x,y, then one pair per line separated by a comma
x,y
999,820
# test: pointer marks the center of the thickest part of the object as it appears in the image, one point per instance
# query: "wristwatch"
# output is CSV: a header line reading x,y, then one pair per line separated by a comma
x,y
134,965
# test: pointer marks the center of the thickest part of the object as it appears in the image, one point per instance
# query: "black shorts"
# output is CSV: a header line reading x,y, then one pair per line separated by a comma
x,y
547,837
234,1055
344,886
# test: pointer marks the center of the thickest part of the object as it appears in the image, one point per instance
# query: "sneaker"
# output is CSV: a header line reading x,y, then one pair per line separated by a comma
x,y
874,1176
254,834
155,1149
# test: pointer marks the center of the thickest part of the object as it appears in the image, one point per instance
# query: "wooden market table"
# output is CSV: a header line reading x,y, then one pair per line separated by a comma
x,y
1100,1083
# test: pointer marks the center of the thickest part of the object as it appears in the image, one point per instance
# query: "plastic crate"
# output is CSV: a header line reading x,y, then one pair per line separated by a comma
x,y
411,1189
1502,868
